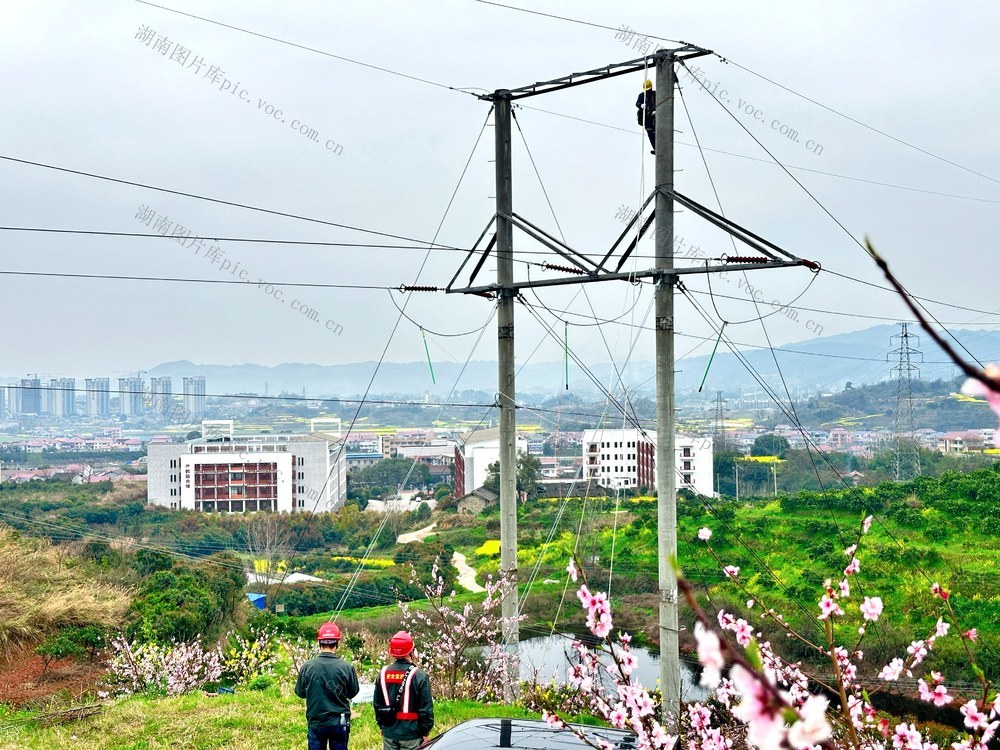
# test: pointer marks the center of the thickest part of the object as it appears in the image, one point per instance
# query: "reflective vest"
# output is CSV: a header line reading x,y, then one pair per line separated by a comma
x,y
404,680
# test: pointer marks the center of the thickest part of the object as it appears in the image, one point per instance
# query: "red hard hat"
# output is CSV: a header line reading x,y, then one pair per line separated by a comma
x,y
328,631
401,644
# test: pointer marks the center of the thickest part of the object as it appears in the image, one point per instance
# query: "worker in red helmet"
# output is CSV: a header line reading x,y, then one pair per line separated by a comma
x,y
328,683
404,707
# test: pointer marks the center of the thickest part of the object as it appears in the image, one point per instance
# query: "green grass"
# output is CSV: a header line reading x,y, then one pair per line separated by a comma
x,y
270,720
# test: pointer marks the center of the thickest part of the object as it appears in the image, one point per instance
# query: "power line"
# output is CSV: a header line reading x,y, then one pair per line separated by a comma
x,y
819,203
862,124
308,49
186,238
574,20
877,183
385,351
176,279
386,402
726,60
209,199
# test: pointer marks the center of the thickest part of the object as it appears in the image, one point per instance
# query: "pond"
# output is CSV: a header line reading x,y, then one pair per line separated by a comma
x,y
544,658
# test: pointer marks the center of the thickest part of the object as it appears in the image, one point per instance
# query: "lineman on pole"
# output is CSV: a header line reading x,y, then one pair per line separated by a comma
x,y
646,112
328,683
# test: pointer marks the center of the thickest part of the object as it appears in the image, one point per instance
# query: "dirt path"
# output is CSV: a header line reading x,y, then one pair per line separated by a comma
x,y
416,536
466,575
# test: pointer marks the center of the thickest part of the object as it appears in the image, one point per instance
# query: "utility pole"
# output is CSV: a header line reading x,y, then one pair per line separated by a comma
x,y
505,351
666,476
585,268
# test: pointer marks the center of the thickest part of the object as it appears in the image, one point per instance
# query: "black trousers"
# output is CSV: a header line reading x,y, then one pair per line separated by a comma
x,y
651,132
334,738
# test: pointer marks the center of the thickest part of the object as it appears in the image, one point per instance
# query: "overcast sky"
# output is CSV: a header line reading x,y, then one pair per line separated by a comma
x,y
85,87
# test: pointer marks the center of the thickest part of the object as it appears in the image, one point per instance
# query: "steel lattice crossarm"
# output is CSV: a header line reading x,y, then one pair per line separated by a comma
x,y
684,52
585,270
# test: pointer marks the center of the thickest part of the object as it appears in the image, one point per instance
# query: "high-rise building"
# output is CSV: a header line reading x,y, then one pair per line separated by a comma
x,y
132,393
98,397
194,397
29,396
60,397
162,392
229,473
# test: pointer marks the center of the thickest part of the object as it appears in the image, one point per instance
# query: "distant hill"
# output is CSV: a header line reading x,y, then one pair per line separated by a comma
x,y
822,363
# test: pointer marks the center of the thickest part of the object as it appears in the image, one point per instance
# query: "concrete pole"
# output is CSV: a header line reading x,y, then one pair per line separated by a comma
x,y
505,349
666,480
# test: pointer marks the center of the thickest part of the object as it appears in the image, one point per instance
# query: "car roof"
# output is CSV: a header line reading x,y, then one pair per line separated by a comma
x,y
524,733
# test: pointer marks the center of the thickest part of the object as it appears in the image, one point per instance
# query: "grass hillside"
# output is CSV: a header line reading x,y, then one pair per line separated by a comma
x,y
268,720
43,590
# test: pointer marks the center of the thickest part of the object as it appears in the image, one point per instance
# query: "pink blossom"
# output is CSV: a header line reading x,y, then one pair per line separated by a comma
x,y
892,670
709,655
972,634
853,567
907,737
765,728
812,728
866,524
845,588
942,628
743,632
731,571
571,569
989,732
871,608
918,651
705,534
552,720
974,718
627,662
701,716
938,696
829,607
973,387
660,738
939,591
851,550
750,603
619,716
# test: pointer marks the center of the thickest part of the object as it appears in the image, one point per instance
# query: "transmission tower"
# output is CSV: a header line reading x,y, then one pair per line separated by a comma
x,y
719,432
719,423
906,458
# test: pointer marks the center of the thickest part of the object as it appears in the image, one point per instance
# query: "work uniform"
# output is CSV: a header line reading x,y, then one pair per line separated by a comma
x,y
415,719
646,104
327,683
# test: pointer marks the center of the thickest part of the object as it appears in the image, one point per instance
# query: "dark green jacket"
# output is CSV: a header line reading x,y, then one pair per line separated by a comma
x,y
421,704
327,683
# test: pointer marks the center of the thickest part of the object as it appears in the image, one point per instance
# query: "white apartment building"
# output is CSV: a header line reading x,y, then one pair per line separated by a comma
x,y
237,473
627,458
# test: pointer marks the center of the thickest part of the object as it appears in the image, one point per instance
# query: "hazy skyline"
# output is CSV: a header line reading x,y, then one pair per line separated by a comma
x,y
87,89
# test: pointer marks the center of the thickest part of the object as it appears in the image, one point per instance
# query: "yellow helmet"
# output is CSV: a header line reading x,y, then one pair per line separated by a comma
x,y
647,85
